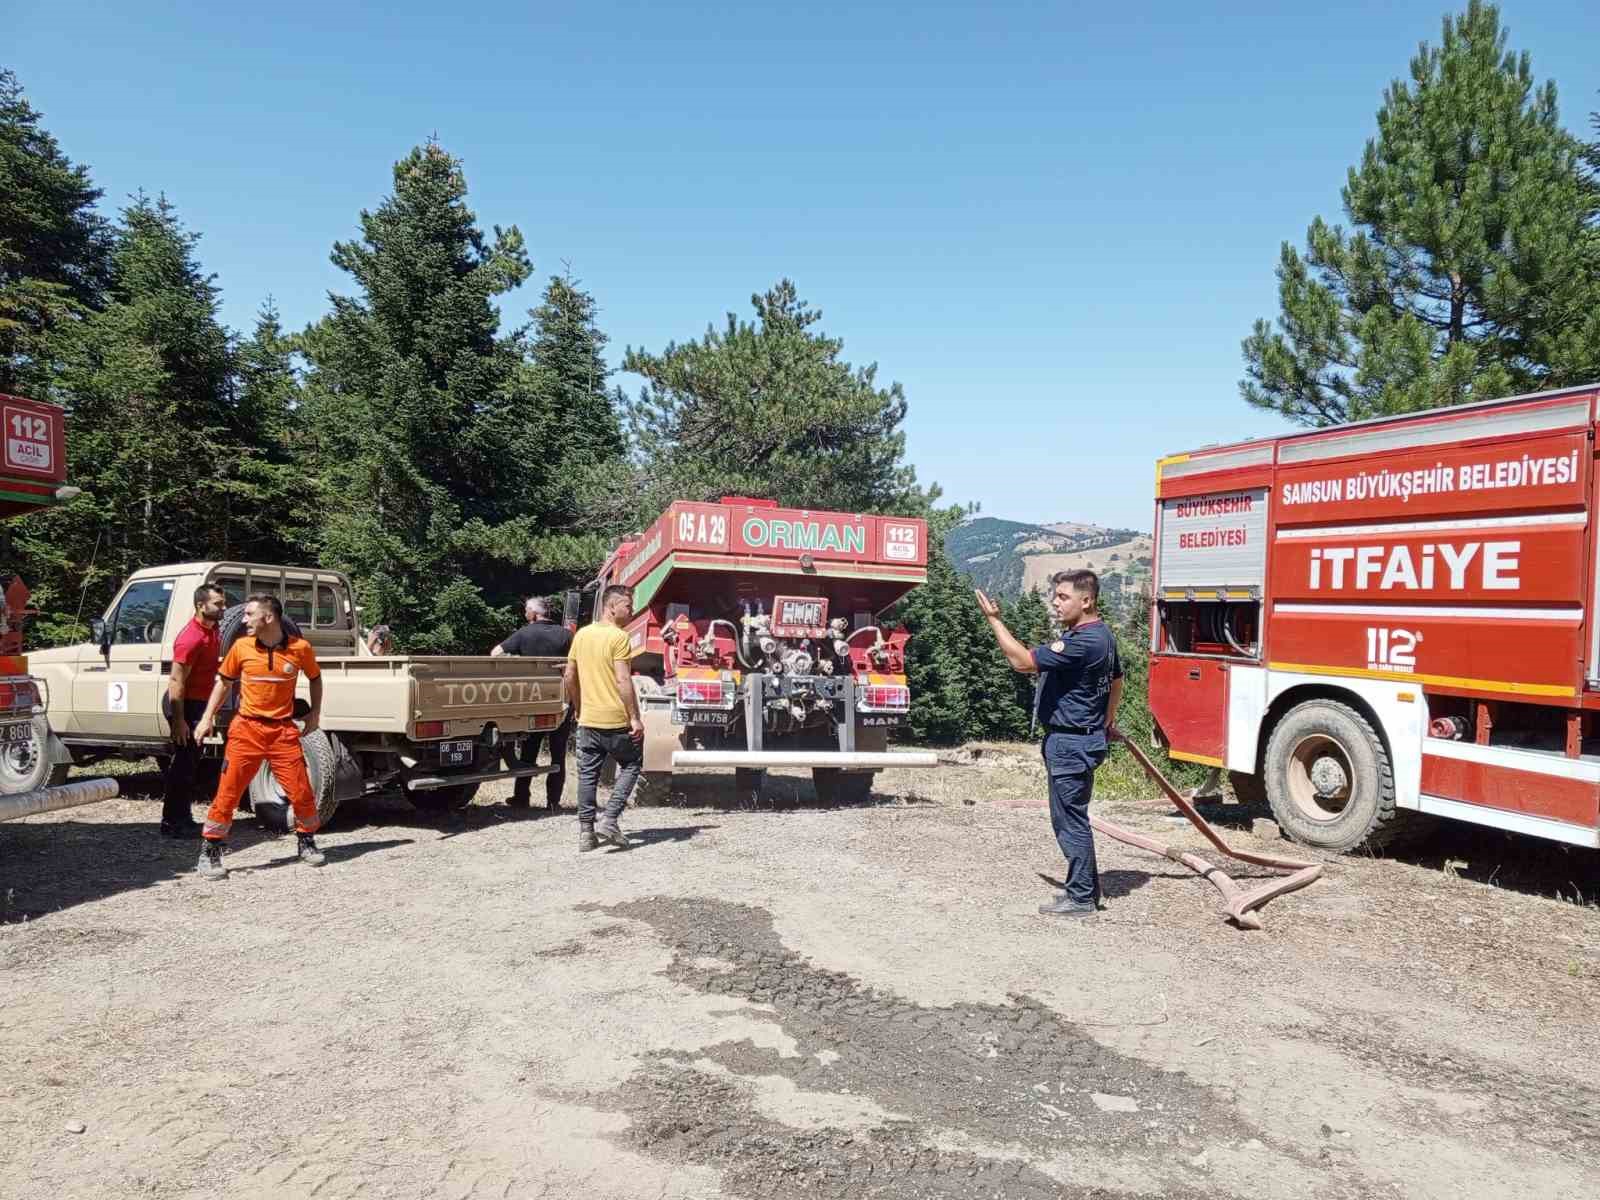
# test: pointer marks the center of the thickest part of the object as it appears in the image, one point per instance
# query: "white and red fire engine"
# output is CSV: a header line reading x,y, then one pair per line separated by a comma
x,y
1388,619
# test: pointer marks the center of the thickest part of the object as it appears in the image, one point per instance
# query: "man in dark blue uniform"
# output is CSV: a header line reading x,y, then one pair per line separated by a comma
x,y
1080,686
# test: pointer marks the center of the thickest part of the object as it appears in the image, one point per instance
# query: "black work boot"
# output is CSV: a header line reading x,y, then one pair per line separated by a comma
x,y
210,865
1064,906
609,831
586,839
183,827
309,854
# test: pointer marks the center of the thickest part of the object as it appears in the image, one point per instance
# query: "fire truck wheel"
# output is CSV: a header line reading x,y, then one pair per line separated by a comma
x,y
653,790
25,765
271,805
1329,780
836,787
1249,789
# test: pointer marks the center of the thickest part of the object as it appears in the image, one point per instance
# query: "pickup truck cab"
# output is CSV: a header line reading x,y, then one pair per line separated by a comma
x,y
433,726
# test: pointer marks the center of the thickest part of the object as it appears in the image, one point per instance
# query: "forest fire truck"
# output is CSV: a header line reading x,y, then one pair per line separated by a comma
x,y
1378,623
757,641
32,476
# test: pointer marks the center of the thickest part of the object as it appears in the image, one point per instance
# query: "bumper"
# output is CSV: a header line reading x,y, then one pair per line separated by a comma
x,y
52,799
849,760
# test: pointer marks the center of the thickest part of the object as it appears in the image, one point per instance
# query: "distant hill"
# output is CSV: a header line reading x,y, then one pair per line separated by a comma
x,y
1006,558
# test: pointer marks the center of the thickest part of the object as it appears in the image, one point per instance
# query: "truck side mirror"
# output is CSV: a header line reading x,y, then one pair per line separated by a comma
x,y
102,636
571,609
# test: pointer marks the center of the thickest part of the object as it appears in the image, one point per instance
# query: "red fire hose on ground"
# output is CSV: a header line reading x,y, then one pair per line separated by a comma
x,y
1241,903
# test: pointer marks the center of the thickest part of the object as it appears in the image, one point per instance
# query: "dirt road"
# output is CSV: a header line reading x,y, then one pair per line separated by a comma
x,y
794,1003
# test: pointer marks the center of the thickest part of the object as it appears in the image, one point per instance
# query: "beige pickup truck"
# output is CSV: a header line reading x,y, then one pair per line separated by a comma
x,y
432,727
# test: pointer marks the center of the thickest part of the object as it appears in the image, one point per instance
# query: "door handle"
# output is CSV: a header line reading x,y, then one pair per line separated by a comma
x,y
87,669
147,666
1194,674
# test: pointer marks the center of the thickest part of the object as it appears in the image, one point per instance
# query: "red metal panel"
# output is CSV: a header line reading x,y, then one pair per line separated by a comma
x,y
1417,483
700,526
1501,565
1560,799
1537,659
1189,700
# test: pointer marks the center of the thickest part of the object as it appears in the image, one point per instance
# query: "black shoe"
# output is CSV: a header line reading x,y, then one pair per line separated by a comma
x,y
308,852
609,831
586,840
552,805
184,829
517,802
1063,906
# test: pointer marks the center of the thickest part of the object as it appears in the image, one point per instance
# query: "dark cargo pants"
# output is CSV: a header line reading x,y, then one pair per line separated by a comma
x,y
1070,760
594,747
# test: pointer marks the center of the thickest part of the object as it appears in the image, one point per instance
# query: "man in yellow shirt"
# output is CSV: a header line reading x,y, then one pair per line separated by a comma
x,y
599,687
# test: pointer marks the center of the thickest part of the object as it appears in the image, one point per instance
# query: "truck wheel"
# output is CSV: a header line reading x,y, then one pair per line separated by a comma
x,y
25,765
271,803
836,787
232,625
1248,789
1329,780
445,799
654,790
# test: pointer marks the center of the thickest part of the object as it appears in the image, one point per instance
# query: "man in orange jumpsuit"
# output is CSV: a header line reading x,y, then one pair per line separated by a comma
x,y
266,662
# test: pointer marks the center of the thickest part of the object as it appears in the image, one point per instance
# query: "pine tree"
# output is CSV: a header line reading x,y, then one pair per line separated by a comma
x,y
428,468
152,436
567,350
54,247
1469,272
768,408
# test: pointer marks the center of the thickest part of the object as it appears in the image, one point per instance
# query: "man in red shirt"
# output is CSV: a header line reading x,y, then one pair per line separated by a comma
x,y
194,670
266,662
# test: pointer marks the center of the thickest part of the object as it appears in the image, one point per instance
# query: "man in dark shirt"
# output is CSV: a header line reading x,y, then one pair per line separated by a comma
x,y
1080,687
194,669
541,637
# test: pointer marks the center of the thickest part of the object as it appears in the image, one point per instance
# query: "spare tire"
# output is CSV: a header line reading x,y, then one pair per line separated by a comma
x,y
232,625
25,765
271,803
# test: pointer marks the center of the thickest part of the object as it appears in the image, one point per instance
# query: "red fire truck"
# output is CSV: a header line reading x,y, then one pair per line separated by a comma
x,y
1379,623
32,476
757,642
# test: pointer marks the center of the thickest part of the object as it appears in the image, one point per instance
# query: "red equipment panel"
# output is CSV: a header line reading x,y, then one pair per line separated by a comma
x,y
1189,700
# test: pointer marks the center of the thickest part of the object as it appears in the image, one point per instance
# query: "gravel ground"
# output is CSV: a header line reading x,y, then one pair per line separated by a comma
x,y
788,1002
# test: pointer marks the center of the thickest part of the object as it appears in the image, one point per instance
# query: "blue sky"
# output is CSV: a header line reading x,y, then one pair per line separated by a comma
x,y
1053,223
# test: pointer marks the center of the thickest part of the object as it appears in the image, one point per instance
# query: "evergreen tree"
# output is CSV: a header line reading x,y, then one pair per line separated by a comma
x,y
429,470
54,248
943,652
768,408
153,435
270,509
566,351
1470,270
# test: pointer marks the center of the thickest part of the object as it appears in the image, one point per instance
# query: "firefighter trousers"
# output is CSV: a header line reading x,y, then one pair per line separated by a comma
x,y
251,742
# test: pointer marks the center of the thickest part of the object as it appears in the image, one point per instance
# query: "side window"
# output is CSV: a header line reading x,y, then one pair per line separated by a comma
x,y
142,616
329,612
233,587
297,603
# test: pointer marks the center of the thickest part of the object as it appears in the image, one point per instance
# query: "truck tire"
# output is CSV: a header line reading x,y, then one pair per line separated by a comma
x,y
1248,789
25,765
654,790
836,787
232,625
1330,783
272,807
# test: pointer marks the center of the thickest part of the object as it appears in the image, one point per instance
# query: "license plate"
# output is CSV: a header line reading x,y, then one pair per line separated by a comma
x,y
453,754
18,733
691,716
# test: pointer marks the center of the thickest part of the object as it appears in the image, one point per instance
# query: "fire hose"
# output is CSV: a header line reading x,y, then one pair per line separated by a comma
x,y
1241,903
